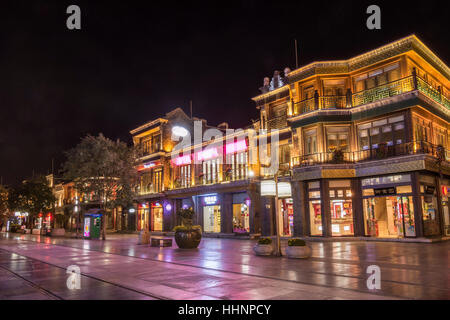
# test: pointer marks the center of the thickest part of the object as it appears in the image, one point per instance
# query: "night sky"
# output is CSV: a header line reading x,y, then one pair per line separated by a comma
x,y
133,61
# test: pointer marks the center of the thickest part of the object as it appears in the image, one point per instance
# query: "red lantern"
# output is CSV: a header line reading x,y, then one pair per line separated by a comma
x,y
444,190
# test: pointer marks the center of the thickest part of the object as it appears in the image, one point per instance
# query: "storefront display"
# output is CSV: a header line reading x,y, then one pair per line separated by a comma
x,y
287,212
157,217
445,190
315,209
143,216
211,213
341,208
241,220
430,211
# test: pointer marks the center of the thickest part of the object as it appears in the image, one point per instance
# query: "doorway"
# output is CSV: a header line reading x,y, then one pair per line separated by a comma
x,y
389,217
211,218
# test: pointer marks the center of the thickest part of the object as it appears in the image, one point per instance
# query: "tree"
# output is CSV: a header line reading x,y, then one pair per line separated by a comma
x,y
104,169
4,208
33,196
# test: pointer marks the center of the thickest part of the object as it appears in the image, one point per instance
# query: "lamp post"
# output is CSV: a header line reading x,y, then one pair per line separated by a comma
x,y
277,215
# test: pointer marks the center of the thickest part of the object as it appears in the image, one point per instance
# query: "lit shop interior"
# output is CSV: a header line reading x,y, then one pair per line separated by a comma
x,y
150,216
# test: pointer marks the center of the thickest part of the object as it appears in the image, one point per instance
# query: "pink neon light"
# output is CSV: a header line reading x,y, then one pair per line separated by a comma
x,y
207,154
182,160
237,146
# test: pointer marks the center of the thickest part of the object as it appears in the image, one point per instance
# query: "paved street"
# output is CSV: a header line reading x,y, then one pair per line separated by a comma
x,y
118,268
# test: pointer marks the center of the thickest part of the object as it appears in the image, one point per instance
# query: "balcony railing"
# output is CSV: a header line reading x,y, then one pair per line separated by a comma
x,y
277,123
383,91
420,147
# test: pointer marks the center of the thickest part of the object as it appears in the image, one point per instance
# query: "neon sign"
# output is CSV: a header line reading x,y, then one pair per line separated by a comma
x,y
237,146
182,160
207,154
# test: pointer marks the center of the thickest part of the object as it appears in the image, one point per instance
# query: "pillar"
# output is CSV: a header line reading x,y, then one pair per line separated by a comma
x,y
299,200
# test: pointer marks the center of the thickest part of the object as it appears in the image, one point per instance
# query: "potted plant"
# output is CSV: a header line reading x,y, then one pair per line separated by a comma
x,y
297,249
263,247
187,236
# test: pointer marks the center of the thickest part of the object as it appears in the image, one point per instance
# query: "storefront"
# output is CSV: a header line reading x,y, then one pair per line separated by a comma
x,y
445,190
211,213
388,206
287,213
314,204
241,213
143,216
341,208
430,210
156,217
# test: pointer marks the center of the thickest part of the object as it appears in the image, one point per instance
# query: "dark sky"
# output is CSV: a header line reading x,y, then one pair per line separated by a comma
x,y
133,61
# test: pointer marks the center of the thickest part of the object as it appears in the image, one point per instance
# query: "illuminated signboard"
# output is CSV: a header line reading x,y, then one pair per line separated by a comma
x,y
268,188
87,226
210,200
237,146
207,154
182,160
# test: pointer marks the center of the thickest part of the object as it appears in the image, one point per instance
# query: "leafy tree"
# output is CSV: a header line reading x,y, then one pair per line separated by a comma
x,y
33,196
105,170
4,208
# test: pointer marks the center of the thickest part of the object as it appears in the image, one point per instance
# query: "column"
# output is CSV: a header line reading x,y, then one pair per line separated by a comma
x,y
358,210
417,201
325,208
226,212
299,200
267,209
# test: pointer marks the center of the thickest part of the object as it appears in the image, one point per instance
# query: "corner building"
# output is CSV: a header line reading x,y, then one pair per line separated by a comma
x,y
370,140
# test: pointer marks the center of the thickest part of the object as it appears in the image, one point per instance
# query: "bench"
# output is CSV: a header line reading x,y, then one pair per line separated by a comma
x,y
160,242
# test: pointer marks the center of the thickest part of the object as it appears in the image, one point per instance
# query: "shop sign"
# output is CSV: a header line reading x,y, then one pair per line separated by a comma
x,y
268,188
384,191
209,200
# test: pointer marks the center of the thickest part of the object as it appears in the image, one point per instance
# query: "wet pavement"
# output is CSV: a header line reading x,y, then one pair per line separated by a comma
x,y
228,269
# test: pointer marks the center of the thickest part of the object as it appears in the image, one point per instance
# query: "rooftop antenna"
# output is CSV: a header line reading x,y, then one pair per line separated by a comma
x,y
296,54
52,165
190,107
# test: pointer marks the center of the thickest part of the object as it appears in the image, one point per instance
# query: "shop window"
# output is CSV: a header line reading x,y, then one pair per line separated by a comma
x,y
241,218
422,130
146,183
287,216
311,141
211,171
377,77
341,208
211,218
315,210
389,131
337,138
430,213
157,181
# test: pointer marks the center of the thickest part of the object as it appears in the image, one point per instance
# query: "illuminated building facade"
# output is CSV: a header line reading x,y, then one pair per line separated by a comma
x,y
369,144
362,149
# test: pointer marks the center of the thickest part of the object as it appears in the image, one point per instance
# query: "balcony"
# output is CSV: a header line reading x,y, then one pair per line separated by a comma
x,y
380,153
277,122
390,89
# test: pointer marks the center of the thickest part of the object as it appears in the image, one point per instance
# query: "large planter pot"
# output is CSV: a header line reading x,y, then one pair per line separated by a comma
x,y
188,239
263,249
298,252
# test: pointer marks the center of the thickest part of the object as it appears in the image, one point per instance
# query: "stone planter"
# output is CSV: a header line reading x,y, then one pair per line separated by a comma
x,y
298,252
58,232
36,231
188,239
263,249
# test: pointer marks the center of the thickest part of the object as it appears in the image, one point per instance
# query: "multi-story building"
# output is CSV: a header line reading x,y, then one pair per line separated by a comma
x,y
361,146
370,140
212,177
